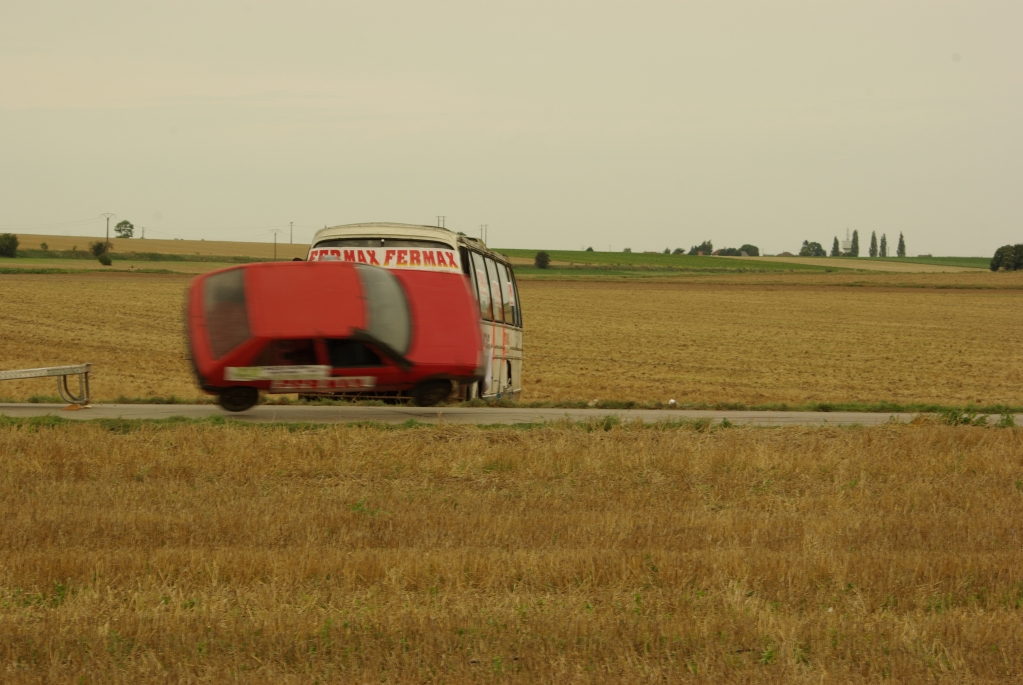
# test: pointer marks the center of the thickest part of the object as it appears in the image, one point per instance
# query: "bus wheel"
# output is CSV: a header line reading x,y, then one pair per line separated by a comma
x,y
430,393
238,398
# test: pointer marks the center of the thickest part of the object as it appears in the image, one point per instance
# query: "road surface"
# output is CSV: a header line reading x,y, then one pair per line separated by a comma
x,y
465,415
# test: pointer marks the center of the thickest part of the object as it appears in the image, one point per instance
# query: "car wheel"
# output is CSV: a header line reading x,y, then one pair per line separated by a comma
x,y
431,392
239,398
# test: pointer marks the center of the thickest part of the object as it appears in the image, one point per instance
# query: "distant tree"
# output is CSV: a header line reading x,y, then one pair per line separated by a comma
x,y
99,247
1008,257
750,250
105,260
854,251
125,229
542,260
872,250
678,250
628,249
706,247
883,249
667,251
835,250
900,251
589,249
8,245
729,252
44,247
812,250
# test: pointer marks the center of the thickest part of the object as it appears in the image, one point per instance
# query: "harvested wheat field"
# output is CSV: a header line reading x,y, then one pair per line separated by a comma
x,y
794,343
566,553
753,339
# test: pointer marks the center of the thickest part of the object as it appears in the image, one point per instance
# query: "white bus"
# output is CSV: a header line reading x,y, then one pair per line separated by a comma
x,y
430,248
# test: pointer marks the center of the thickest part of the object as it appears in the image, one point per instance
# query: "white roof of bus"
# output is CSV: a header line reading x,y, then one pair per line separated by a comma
x,y
382,229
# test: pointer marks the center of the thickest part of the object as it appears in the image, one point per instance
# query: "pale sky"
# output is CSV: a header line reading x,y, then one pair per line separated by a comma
x,y
559,124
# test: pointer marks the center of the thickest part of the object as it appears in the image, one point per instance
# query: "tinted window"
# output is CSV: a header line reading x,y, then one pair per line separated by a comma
x,y
227,318
482,289
300,352
386,308
495,289
348,353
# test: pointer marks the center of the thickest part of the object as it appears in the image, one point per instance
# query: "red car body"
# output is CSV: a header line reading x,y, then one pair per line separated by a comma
x,y
332,327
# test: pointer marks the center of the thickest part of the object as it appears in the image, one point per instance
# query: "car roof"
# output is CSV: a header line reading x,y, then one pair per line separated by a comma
x,y
304,299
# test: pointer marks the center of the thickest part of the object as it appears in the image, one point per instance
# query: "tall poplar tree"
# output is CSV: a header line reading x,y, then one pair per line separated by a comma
x,y
873,244
835,252
854,251
900,251
884,245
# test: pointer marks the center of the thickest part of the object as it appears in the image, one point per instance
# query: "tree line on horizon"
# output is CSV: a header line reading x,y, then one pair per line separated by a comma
x,y
876,249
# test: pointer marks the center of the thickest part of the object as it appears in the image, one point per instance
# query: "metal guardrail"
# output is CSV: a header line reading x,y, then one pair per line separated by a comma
x,y
61,372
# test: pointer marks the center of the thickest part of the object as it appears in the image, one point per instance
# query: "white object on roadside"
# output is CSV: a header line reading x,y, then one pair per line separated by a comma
x,y
591,403
672,403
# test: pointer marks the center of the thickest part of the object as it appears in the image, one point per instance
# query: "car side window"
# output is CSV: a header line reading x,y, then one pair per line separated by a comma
x,y
346,354
482,289
301,352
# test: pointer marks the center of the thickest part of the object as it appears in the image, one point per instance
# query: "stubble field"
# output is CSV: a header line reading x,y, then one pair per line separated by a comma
x,y
210,552
951,339
213,553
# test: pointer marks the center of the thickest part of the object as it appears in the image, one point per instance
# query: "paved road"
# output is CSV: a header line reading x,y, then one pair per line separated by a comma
x,y
484,415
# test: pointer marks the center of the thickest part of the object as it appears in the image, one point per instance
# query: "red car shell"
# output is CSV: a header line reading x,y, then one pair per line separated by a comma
x,y
331,327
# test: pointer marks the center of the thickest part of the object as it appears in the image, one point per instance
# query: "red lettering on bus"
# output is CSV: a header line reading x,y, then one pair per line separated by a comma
x,y
428,258
335,253
402,258
349,255
362,257
373,257
413,258
451,260
388,255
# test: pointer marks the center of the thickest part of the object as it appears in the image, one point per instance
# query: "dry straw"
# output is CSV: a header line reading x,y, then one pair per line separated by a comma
x,y
198,552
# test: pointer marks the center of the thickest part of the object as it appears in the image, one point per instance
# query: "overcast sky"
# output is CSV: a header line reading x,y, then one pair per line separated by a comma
x,y
560,124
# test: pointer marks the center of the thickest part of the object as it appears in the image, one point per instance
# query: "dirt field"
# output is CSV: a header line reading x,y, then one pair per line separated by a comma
x,y
117,266
199,247
212,553
863,264
758,338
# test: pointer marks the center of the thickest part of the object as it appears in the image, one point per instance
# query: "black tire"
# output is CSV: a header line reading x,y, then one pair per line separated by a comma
x,y
431,392
238,398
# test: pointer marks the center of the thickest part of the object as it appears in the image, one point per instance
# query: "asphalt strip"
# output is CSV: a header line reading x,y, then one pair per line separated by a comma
x,y
453,415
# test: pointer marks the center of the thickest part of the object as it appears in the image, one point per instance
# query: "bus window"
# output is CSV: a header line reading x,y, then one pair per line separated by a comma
x,y
495,290
482,289
227,317
515,290
511,307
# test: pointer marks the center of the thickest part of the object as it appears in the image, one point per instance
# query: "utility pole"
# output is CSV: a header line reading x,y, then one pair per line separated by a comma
x,y
275,231
291,239
143,233
440,220
108,215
